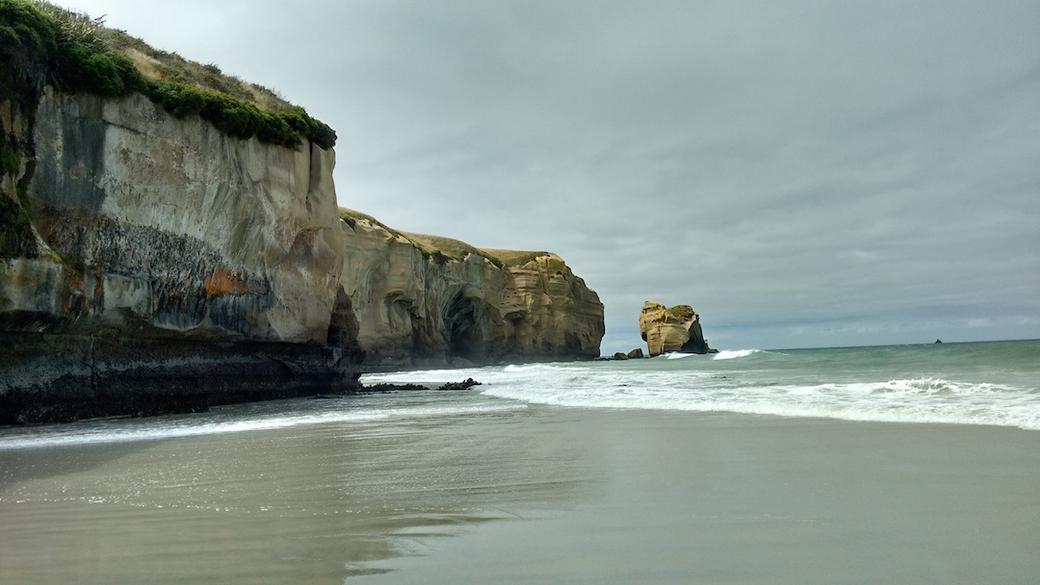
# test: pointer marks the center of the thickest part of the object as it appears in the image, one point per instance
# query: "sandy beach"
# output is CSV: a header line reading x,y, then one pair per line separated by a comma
x,y
464,488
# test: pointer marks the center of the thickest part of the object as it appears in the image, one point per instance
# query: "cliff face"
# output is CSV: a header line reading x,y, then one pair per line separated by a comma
x,y
422,299
152,263
671,329
165,230
169,239
176,226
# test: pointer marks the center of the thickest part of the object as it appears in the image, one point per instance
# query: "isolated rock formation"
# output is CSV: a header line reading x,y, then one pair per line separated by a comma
x,y
424,299
671,329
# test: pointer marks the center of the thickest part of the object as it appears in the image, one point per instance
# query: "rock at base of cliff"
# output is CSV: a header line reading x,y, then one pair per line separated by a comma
x,y
463,385
60,378
636,354
385,388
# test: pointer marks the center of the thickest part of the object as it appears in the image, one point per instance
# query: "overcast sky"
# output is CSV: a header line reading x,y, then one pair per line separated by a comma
x,y
802,173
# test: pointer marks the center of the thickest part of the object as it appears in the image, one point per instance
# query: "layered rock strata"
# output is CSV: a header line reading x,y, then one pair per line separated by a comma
x,y
671,329
169,239
159,257
429,300
154,264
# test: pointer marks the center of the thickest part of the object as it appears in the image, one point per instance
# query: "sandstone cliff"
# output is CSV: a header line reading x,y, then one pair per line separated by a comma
x,y
425,299
165,245
671,329
167,231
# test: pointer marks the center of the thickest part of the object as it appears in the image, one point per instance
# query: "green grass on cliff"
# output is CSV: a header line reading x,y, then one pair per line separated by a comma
x,y
41,44
514,257
351,216
447,247
441,248
683,312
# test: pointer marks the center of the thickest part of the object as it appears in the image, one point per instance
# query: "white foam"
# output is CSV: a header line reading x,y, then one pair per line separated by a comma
x,y
730,354
710,386
189,427
922,400
706,387
676,355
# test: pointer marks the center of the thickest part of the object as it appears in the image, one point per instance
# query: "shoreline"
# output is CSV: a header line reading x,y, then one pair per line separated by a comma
x,y
60,378
262,411
590,495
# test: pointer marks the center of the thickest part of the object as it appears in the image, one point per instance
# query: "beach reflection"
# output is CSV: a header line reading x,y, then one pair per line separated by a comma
x,y
315,503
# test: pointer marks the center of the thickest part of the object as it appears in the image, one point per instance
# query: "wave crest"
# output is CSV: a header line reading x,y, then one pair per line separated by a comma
x,y
730,354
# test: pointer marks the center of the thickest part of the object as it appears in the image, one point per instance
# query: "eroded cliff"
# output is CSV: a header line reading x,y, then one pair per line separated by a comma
x,y
170,239
671,329
424,299
150,239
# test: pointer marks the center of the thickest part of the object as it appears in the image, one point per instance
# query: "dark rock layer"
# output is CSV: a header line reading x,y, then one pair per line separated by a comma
x,y
57,378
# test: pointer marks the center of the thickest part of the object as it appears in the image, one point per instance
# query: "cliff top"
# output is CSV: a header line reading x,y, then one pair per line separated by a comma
x,y
160,65
516,257
43,44
446,247
683,312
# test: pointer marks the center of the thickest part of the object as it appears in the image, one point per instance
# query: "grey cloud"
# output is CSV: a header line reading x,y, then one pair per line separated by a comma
x,y
803,173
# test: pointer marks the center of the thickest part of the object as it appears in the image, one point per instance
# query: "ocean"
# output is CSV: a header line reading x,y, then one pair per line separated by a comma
x,y
994,383
898,464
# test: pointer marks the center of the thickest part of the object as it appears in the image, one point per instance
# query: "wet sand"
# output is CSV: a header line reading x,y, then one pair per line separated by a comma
x,y
526,495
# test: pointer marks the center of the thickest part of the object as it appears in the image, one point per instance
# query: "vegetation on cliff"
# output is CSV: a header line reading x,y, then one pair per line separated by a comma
x,y
514,257
682,312
41,44
440,248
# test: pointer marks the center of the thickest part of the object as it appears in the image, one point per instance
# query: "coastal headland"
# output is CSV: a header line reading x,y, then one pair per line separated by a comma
x,y
171,239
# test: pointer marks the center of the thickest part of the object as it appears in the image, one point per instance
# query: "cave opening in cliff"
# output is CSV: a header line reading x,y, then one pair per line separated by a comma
x,y
465,338
343,324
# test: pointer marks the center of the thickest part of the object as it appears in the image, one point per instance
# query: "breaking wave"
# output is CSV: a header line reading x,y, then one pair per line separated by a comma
x,y
724,385
124,431
730,354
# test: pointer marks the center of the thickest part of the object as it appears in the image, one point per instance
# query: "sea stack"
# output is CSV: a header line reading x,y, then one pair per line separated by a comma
x,y
671,329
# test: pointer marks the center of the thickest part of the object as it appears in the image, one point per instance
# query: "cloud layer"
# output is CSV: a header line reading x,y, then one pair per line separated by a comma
x,y
803,174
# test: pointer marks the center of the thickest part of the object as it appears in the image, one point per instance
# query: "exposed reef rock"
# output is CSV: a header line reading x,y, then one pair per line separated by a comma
x,y
463,385
425,299
671,329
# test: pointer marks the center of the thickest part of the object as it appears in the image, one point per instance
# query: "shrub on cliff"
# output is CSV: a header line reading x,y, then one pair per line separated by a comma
x,y
42,44
683,312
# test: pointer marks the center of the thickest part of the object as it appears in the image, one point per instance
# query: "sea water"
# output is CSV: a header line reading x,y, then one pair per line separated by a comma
x,y
728,468
993,383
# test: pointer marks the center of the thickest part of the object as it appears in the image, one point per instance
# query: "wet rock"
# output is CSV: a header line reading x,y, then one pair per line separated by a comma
x,y
384,388
463,385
